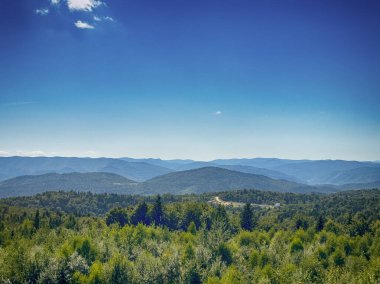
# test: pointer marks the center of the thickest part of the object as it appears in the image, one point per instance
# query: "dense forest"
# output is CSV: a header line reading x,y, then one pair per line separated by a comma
x,y
69,237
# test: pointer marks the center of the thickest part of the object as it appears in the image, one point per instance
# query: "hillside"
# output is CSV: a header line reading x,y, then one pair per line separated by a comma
x,y
170,164
357,175
321,172
18,166
94,182
259,171
210,179
267,163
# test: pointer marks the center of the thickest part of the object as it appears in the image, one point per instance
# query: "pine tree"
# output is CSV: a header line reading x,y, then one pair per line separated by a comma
x,y
246,218
37,220
157,213
320,223
140,215
117,215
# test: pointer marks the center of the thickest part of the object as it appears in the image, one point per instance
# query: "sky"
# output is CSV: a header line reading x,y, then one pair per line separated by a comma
x,y
198,79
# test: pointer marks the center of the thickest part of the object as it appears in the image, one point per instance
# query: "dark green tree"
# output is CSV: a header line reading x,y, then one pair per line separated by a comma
x,y
320,223
118,216
246,217
140,215
157,213
37,220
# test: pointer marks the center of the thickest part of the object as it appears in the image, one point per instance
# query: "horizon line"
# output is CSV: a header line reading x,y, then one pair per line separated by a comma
x,y
183,159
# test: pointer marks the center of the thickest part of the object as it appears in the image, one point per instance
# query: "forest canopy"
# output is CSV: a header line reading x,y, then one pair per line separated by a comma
x,y
68,237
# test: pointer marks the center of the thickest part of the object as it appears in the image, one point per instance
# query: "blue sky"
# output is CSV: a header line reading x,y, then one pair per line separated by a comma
x,y
190,79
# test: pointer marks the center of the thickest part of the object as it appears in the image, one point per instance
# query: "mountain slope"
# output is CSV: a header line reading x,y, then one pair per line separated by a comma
x,y
94,182
357,175
320,172
17,166
210,179
357,186
170,164
258,171
266,163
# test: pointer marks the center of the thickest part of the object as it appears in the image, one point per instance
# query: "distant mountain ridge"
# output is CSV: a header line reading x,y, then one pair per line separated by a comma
x,y
94,182
323,175
209,179
311,172
321,172
195,181
17,166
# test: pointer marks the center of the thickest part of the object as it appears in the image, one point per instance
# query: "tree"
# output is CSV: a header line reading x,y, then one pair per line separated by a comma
x,y
37,220
192,229
140,215
118,216
246,218
320,223
157,212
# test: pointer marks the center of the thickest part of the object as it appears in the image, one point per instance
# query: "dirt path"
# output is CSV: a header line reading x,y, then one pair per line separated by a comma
x,y
218,201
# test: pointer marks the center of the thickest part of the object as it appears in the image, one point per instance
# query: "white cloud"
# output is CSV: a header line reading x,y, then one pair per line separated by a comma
x,y
31,153
36,153
99,19
83,5
83,25
4,153
42,11
54,2
108,19
218,112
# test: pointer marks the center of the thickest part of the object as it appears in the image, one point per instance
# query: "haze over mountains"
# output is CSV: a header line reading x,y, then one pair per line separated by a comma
x,y
27,175
17,166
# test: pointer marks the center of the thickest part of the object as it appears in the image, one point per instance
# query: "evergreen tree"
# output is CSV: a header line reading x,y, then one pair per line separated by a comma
x,y
117,215
37,220
246,217
140,215
320,223
157,212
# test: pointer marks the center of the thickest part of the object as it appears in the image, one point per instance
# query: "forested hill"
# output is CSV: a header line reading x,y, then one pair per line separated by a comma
x,y
98,204
197,181
94,182
210,179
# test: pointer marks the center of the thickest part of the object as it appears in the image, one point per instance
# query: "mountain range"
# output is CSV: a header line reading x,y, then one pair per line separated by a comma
x,y
207,179
27,175
136,170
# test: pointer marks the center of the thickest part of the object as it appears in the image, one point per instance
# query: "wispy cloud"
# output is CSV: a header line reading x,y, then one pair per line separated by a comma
x,y
83,5
83,25
55,2
35,153
218,112
42,11
17,103
4,153
99,19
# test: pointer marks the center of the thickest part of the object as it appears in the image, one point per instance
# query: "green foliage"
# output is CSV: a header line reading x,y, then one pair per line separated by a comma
x,y
192,229
117,216
296,245
338,258
194,243
157,213
140,214
246,218
225,253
